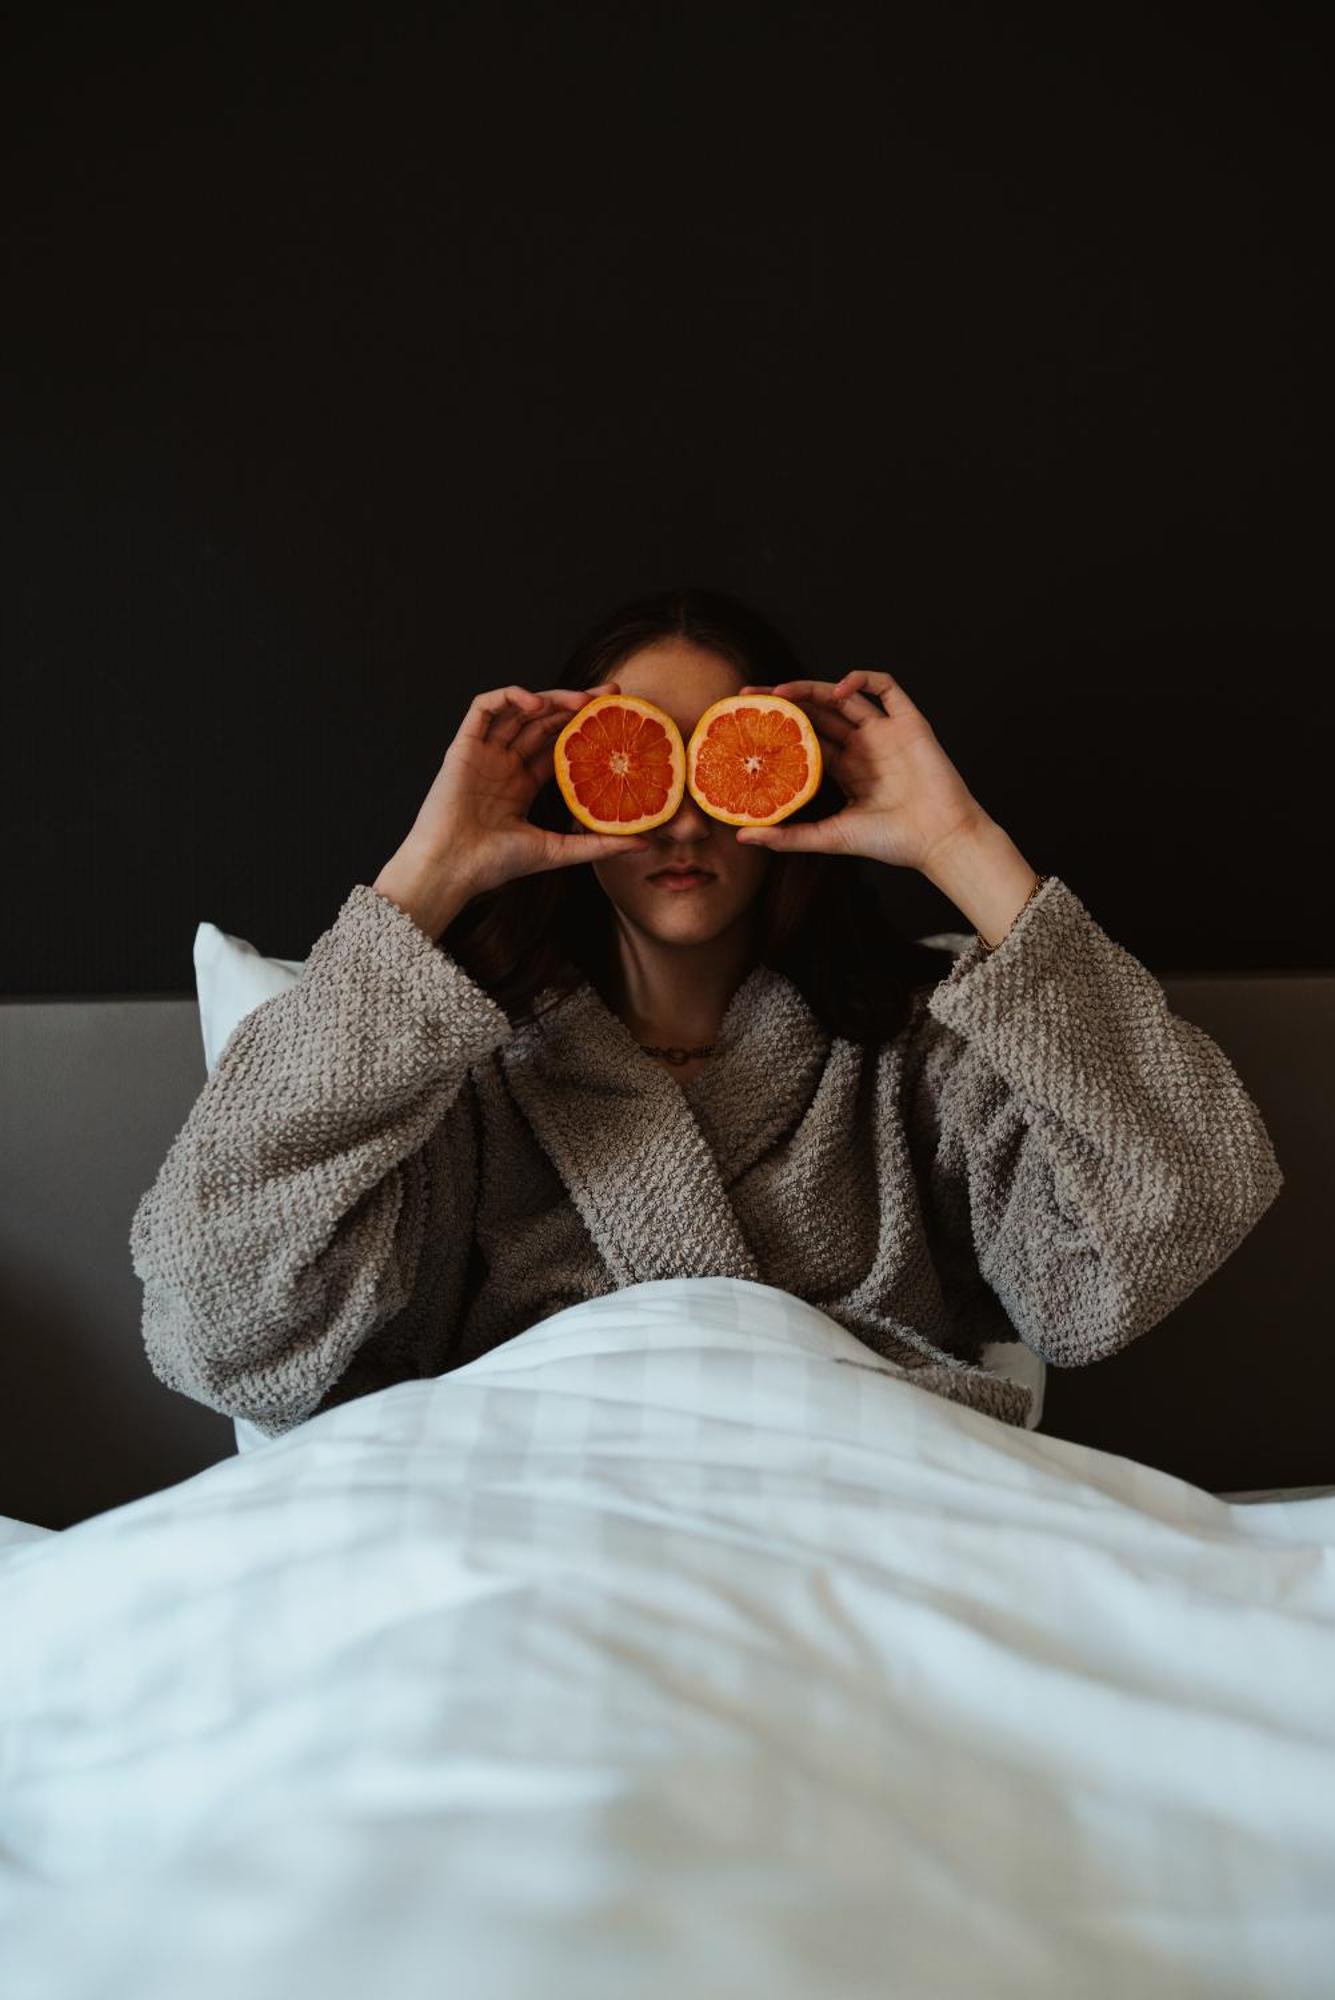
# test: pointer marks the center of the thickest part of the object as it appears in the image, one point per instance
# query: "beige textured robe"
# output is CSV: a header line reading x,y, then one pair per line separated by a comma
x,y
383,1179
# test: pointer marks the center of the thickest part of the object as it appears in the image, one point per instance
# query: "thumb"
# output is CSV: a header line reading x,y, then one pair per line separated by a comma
x,y
568,848
804,838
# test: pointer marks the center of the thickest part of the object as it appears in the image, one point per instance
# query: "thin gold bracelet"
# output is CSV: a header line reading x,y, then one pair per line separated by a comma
x,y
1016,918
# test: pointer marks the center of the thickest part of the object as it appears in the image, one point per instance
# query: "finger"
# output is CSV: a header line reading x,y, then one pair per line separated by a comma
x,y
578,696
536,740
807,837
823,696
486,711
846,696
851,702
885,691
525,728
794,691
832,725
575,847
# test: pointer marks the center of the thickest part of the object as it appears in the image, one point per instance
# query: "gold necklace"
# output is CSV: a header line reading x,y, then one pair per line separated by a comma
x,y
679,1056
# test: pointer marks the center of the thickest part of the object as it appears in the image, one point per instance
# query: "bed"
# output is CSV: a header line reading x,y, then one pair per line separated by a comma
x,y
678,1645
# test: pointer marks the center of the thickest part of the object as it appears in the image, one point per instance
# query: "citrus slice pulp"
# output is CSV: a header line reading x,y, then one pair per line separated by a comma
x,y
620,764
753,759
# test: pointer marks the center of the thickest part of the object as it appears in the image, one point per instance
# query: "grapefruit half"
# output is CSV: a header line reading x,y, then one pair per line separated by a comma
x,y
753,759
621,764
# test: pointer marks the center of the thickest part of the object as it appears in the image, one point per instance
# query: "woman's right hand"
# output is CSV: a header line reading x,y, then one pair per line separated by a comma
x,y
474,820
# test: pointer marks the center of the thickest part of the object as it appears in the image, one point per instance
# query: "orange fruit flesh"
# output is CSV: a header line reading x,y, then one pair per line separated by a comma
x,y
753,759
621,765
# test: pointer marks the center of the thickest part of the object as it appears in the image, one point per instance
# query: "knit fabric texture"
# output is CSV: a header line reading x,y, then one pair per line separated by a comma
x,y
384,1178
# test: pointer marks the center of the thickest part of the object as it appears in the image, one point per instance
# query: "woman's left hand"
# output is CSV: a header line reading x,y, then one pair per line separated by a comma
x,y
905,797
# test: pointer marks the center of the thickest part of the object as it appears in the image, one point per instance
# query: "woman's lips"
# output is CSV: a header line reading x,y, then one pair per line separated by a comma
x,y
696,879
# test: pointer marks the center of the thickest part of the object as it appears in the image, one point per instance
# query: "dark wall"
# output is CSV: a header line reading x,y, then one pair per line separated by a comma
x,y
355,366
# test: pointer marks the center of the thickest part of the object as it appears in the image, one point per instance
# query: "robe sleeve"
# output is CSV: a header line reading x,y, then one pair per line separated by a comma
x,y
326,1170
1105,1150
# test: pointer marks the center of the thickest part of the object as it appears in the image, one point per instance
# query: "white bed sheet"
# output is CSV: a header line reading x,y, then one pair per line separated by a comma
x,y
675,1646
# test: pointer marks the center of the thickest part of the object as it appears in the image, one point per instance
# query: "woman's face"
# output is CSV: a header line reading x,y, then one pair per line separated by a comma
x,y
683,680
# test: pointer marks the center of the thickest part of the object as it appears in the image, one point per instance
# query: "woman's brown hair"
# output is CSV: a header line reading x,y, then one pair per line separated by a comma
x,y
817,918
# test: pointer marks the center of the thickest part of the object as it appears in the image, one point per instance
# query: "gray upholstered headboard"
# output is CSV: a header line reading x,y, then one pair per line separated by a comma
x,y
1233,1391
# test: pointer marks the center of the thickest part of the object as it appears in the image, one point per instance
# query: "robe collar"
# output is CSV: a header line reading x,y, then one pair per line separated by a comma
x,y
648,1160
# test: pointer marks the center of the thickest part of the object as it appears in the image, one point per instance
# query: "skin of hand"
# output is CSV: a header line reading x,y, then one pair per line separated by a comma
x,y
905,799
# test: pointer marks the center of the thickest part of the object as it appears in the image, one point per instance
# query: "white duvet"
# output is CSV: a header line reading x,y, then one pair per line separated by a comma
x,y
673,1648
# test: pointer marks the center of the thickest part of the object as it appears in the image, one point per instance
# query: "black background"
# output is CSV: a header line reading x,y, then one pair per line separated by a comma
x,y
356,365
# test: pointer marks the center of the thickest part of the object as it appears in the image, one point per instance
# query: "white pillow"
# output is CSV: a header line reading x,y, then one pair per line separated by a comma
x,y
231,978
951,941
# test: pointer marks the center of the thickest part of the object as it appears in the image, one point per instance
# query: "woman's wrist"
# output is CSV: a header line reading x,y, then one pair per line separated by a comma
x,y
985,876
423,890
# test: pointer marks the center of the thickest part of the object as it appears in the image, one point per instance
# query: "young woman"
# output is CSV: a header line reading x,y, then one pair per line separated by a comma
x,y
506,1083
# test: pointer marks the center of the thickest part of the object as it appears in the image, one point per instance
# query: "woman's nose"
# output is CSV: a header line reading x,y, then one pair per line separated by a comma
x,y
691,816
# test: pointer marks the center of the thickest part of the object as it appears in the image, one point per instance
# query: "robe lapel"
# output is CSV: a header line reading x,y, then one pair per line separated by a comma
x,y
637,1151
